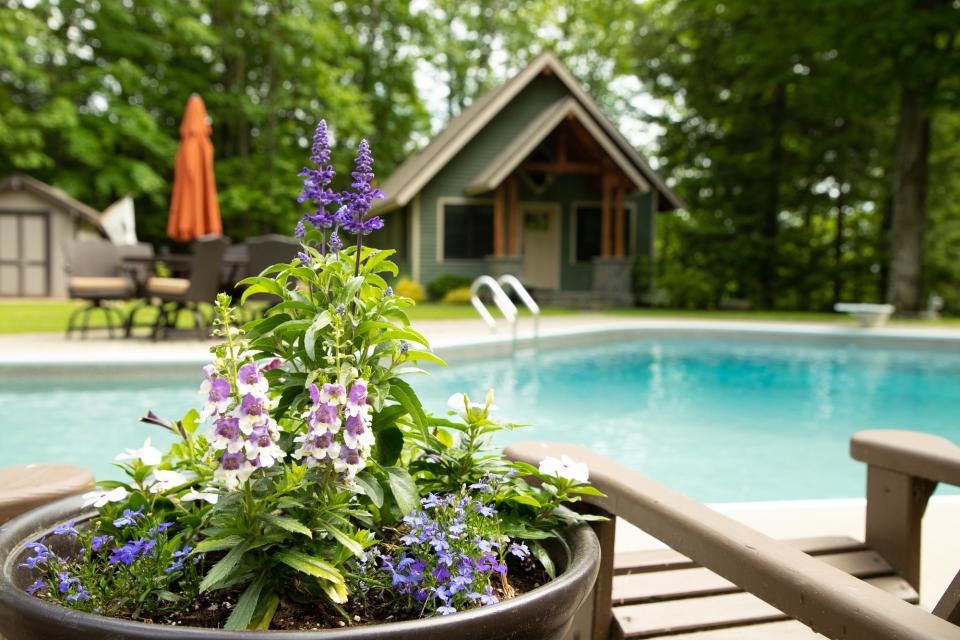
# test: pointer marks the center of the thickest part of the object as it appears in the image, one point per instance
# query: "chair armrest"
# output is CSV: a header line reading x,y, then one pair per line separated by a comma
x,y
920,455
827,599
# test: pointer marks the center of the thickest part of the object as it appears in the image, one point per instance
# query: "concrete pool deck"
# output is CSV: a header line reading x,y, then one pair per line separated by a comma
x,y
471,338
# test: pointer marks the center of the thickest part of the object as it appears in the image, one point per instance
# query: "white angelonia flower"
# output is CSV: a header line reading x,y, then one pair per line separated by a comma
x,y
192,495
148,455
565,467
100,498
164,480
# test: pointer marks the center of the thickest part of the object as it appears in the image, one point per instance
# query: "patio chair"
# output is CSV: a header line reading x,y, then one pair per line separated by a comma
x,y
721,580
264,251
94,275
186,294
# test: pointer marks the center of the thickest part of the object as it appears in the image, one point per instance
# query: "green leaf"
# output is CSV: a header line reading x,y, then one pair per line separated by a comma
x,y
222,570
405,395
190,422
541,554
424,355
342,538
310,565
218,544
403,488
286,523
310,338
389,445
525,499
260,284
242,614
265,611
587,490
370,487
257,328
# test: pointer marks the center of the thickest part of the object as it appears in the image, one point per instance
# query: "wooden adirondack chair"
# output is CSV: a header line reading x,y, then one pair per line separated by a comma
x,y
721,580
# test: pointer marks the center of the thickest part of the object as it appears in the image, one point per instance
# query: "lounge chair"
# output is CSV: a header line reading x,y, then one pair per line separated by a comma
x,y
868,315
186,294
265,251
95,276
721,580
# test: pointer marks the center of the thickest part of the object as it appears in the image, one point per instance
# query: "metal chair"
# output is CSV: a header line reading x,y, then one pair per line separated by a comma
x,y
186,294
95,276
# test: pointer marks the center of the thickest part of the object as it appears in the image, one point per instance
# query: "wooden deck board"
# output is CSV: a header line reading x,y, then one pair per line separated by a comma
x,y
674,584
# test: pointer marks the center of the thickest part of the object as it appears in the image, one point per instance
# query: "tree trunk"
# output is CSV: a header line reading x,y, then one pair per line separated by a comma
x,y
770,223
909,213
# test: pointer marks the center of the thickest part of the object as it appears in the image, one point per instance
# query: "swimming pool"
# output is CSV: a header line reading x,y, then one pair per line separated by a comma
x,y
718,419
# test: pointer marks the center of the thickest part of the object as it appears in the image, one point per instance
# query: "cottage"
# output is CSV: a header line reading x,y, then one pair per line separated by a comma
x,y
35,220
532,179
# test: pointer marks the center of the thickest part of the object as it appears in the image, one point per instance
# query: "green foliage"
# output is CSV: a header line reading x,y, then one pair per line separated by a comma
x,y
439,287
92,95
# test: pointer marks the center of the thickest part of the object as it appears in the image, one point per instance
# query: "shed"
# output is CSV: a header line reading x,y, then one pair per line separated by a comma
x,y
35,220
534,180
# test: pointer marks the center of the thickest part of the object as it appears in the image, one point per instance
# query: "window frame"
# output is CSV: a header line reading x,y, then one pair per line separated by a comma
x,y
441,226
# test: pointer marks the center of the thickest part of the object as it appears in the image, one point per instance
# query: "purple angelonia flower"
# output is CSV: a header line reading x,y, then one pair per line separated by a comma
x,y
334,243
232,461
251,405
219,390
314,394
358,392
228,428
273,364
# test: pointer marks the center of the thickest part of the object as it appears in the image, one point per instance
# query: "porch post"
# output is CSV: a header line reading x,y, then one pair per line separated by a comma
x,y
499,197
513,214
620,245
605,226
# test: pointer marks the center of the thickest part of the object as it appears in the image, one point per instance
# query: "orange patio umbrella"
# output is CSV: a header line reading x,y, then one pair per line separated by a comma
x,y
194,210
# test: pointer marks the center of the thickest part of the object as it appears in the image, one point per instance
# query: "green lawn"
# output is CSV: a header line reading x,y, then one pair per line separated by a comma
x,y
45,316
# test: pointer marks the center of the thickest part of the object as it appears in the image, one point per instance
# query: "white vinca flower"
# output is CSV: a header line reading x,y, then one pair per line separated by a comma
x,y
148,455
207,496
164,480
565,467
100,498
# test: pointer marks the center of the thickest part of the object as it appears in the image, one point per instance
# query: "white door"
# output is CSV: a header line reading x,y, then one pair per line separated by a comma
x,y
541,244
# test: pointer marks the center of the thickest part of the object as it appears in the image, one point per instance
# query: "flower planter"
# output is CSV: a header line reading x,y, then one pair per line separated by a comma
x,y
544,613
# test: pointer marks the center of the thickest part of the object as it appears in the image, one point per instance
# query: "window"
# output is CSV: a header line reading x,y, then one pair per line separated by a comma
x,y
467,231
587,225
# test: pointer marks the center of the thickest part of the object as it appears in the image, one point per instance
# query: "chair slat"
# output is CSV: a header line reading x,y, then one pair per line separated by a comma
x,y
660,559
783,630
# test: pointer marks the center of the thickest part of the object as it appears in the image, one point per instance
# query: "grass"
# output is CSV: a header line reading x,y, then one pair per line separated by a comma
x,y
50,316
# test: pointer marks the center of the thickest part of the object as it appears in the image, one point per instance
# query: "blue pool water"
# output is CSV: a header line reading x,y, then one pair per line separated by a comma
x,y
718,420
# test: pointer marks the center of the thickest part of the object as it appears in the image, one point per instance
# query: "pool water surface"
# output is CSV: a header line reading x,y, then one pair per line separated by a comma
x,y
718,420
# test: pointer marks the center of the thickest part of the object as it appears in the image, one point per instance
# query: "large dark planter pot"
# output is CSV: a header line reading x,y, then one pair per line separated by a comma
x,y
544,613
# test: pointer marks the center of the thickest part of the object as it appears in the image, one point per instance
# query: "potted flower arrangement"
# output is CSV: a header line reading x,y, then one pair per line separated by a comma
x,y
311,492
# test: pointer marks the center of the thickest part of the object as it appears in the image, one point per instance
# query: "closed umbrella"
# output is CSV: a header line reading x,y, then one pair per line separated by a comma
x,y
194,210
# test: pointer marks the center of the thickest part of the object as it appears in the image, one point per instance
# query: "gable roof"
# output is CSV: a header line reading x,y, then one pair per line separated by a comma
x,y
411,176
56,197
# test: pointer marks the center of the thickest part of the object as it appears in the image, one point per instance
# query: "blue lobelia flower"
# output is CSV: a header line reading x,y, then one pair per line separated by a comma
x,y
98,541
36,586
65,581
128,519
520,550
446,610
66,529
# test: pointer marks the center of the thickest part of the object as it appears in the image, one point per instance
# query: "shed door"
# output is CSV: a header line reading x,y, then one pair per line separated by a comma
x,y
24,253
541,244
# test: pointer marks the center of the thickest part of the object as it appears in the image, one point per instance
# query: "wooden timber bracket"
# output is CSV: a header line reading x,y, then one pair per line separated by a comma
x,y
823,597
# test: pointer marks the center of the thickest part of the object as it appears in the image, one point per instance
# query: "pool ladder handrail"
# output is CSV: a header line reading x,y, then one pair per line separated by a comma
x,y
512,281
503,301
